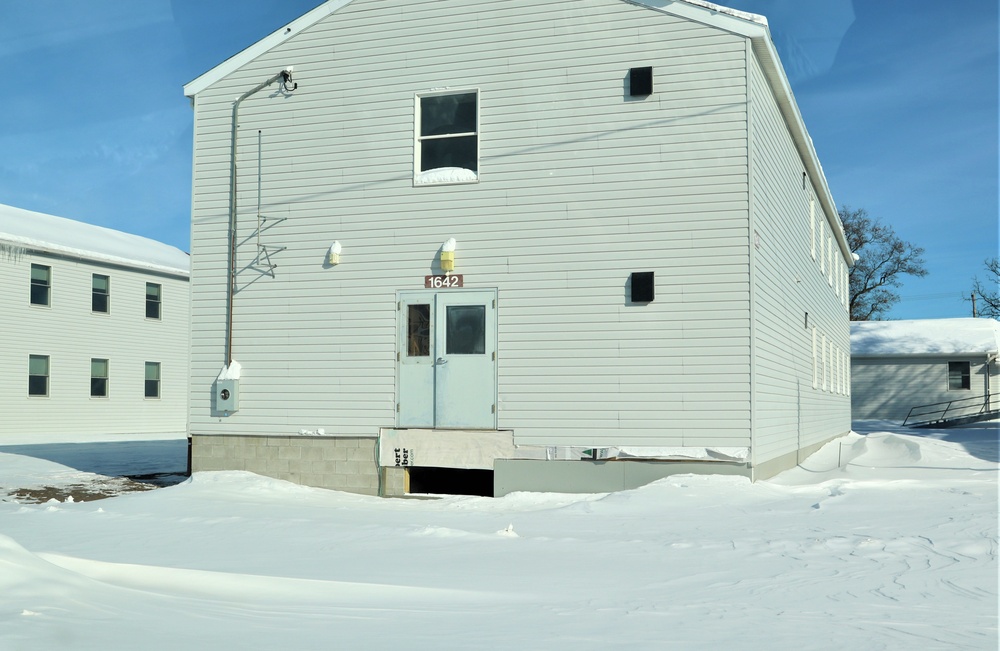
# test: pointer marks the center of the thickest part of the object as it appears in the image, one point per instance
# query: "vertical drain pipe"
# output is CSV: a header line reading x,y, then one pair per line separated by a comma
x,y
286,78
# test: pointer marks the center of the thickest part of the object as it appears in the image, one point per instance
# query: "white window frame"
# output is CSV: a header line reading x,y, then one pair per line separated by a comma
x,y
419,139
812,227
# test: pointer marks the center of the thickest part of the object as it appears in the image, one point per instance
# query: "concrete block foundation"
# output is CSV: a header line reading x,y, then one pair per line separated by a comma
x,y
337,463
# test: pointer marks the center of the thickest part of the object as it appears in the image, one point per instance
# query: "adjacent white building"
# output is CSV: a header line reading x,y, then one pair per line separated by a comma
x,y
924,370
95,335
545,244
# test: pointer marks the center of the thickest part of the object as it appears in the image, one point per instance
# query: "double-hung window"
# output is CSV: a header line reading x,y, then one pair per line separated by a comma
x,y
41,284
152,386
959,376
447,147
98,378
38,375
152,301
100,300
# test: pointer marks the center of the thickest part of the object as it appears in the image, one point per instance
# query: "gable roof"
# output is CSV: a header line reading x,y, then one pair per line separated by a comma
x,y
748,25
35,231
925,337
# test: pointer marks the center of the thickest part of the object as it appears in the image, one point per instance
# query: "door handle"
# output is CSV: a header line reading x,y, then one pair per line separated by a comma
x,y
441,361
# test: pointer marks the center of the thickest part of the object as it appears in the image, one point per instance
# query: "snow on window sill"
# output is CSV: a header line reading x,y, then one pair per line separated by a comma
x,y
445,175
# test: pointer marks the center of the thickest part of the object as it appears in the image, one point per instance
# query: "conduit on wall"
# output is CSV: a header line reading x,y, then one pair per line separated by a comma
x,y
285,77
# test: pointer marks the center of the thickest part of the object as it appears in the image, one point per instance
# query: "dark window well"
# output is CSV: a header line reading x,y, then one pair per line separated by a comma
x,y
959,376
101,294
152,301
41,283
99,378
152,388
38,375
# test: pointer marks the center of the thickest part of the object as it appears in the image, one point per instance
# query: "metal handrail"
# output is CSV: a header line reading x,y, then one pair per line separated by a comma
x,y
940,414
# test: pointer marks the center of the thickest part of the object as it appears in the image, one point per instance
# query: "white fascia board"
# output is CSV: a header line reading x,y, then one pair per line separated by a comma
x,y
237,61
755,28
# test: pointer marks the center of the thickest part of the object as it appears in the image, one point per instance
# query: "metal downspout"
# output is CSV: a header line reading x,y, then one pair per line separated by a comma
x,y
285,76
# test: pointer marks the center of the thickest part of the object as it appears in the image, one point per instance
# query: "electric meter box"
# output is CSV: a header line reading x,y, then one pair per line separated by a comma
x,y
227,396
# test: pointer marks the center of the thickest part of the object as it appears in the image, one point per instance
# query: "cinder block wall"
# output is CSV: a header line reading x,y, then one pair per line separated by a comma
x,y
346,464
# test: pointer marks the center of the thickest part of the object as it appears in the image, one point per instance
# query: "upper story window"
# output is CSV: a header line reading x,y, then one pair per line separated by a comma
x,y
100,300
959,376
152,301
41,284
447,149
38,375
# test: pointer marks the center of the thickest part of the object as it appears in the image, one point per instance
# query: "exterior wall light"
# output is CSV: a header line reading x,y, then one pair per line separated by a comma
x,y
448,255
333,256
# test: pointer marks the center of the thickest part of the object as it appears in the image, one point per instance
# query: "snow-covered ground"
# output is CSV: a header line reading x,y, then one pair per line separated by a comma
x,y
882,540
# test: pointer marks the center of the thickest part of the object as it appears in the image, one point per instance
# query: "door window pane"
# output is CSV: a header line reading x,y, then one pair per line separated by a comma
x,y
38,375
466,330
101,295
99,378
418,330
41,281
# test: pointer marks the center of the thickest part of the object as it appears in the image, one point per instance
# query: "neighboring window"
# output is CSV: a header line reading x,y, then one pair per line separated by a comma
x,y
812,227
152,301
829,267
418,330
448,138
98,378
822,249
38,375
815,360
959,376
152,388
41,283
100,300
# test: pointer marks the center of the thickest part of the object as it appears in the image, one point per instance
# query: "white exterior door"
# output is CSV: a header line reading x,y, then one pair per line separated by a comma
x,y
446,369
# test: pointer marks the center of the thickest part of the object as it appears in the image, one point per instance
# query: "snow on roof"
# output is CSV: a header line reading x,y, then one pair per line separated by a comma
x,y
37,231
736,13
925,337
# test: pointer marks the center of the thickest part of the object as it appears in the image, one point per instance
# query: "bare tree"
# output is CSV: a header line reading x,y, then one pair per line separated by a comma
x,y
987,296
883,259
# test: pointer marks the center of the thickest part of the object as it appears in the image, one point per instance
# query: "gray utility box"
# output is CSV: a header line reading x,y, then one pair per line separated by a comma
x,y
227,396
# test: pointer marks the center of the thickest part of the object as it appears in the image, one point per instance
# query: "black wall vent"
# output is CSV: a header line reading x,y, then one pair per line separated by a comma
x,y
640,81
642,286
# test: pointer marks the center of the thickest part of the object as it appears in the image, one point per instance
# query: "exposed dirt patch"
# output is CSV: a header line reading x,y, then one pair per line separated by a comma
x,y
98,489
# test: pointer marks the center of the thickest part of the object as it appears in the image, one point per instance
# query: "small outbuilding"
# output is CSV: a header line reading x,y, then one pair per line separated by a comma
x,y
570,245
925,371
95,331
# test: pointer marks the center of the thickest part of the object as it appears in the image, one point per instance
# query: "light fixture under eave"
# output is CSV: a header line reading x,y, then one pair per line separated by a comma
x,y
448,255
333,255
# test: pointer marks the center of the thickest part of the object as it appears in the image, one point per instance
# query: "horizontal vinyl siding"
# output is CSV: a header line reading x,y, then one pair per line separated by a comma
x,y
71,335
788,412
887,388
579,186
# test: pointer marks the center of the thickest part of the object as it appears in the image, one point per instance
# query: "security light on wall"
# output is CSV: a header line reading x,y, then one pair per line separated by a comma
x,y
333,255
448,255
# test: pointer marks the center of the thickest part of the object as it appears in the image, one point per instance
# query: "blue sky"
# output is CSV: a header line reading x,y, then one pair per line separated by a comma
x,y
900,99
